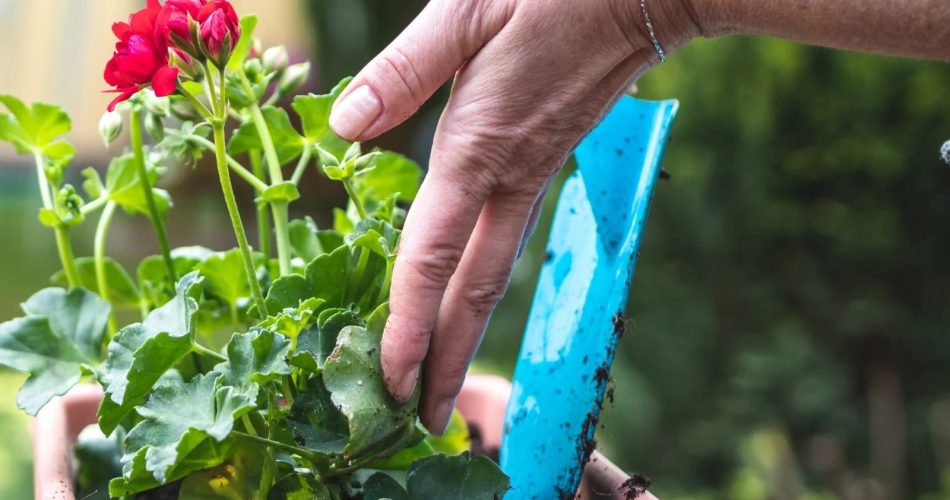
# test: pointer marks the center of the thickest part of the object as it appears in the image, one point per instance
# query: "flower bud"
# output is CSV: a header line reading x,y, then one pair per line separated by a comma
x,y
70,206
326,158
275,59
256,48
220,30
353,152
155,126
110,126
253,70
293,78
945,152
157,105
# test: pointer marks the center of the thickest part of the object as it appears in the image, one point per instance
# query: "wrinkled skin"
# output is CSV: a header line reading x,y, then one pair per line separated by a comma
x,y
534,78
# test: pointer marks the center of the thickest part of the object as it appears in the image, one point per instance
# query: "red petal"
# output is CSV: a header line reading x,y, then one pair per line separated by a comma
x,y
123,96
121,29
165,81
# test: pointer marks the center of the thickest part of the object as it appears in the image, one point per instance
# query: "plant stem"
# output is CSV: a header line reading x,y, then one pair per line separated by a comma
x,y
65,248
236,224
99,255
63,244
387,281
94,205
302,164
239,169
280,446
202,109
217,106
278,209
135,130
287,391
281,213
263,221
208,353
45,194
359,270
360,208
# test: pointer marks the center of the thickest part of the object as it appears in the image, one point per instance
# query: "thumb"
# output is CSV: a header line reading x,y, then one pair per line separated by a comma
x,y
405,74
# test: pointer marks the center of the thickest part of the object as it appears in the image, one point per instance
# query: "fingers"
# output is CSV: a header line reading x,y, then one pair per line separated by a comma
x,y
405,74
433,241
478,284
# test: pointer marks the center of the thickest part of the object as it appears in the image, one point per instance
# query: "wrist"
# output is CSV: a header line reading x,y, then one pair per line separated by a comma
x,y
674,22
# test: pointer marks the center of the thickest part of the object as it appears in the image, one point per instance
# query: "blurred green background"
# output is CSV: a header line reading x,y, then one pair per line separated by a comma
x,y
790,309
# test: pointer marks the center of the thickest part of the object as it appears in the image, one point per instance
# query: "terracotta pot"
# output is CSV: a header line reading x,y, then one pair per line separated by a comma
x,y
482,402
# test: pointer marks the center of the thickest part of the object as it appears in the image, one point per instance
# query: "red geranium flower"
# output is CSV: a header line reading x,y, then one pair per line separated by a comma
x,y
141,57
220,29
173,22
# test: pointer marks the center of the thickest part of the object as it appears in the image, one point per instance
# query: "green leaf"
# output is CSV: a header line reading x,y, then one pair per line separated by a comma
x,y
122,289
308,242
293,320
287,292
56,343
54,364
342,222
124,186
34,128
333,277
381,486
98,460
287,141
327,276
236,479
92,184
141,353
283,192
304,242
461,477
354,377
394,174
314,113
255,358
453,441
376,236
153,276
225,277
316,422
240,52
185,142
178,419
137,478
330,324
78,316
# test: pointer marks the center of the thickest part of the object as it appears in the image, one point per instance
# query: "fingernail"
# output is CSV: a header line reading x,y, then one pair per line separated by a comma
x,y
407,385
440,418
356,112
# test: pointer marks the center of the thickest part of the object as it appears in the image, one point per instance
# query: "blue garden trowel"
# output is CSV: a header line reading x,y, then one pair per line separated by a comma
x,y
577,316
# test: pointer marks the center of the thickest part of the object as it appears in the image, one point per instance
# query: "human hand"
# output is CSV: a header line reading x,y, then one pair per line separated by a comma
x,y
531,78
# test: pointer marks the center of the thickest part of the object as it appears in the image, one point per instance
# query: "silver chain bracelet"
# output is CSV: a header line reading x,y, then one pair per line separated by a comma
x,y
656,43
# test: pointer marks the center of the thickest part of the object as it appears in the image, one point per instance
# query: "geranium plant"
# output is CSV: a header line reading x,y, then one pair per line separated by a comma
x,y
293,404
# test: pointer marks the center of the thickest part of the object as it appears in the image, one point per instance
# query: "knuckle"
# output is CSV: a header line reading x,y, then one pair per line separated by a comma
x,y
435,264
483,293
397,63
